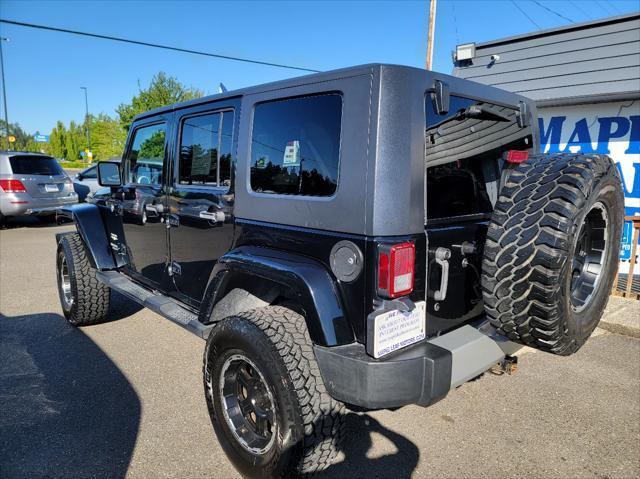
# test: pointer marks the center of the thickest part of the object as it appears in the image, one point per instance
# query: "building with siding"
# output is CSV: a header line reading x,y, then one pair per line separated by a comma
x,y
585,78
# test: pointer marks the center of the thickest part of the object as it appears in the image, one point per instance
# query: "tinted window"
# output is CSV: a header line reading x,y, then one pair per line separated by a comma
x,y
295,146
146,157
35,165
205,149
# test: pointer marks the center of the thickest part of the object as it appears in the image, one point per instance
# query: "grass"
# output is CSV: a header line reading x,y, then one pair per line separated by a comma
x,y
75,165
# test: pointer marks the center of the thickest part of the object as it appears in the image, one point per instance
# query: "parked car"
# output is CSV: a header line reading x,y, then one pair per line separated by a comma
x,y
86,181
374,237
32,184
100,196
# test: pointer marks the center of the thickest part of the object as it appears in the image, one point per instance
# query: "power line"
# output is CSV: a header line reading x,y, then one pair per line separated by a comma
x,y
602,6
155,45
525,14
455,21
552,11
613,7
578,7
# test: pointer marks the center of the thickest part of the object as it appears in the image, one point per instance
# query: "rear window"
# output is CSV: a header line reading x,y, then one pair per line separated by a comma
x,y
35,165
295,146
464,149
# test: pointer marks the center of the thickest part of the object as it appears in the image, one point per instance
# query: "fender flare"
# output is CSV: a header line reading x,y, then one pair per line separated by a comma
x,y
267,273
89,222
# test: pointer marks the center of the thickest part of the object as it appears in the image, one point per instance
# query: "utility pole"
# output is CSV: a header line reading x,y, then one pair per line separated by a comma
x,y
4,93
87,122
431,34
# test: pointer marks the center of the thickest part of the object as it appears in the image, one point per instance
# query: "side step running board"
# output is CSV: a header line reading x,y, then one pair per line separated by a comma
x,y
157,303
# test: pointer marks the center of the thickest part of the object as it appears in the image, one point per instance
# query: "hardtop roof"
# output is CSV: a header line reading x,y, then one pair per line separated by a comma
x,y
370,68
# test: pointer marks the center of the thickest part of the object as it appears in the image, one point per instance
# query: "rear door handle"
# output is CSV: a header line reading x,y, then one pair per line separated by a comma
x,y
157,209
214,216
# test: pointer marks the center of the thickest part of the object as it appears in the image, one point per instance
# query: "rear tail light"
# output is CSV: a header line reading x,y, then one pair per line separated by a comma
x,y
396,269
516,156
12,186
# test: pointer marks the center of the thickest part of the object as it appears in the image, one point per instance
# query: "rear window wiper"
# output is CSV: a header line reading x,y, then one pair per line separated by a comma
x,y
481,112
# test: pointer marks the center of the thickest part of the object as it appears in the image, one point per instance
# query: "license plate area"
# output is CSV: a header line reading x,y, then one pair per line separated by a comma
x,y
51,188
389,331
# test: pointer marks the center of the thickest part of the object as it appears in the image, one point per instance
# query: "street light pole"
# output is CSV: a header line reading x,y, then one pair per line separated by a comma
x,y
4,92
86,116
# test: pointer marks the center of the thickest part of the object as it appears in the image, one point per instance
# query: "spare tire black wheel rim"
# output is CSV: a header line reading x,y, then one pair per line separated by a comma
x,y
589,257
65,283
247,404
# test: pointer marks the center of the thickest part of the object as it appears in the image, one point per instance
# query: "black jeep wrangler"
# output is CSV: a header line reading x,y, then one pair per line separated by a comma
x,y
369,237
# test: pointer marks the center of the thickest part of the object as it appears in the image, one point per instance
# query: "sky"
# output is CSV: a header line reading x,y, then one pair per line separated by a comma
x,y
45,70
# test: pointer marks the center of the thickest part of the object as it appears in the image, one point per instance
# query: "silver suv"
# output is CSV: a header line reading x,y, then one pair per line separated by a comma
x,y
32,184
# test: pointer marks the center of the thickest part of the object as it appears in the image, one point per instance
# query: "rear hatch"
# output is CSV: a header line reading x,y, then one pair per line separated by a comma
x,y
466,149
41,176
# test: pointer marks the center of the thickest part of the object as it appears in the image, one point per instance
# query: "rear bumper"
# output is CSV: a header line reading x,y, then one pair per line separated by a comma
x,y
18,204
420,374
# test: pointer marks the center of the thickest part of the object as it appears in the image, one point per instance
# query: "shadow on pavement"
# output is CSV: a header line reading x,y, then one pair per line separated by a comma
x,y
66,410
359,439
121,307
33,222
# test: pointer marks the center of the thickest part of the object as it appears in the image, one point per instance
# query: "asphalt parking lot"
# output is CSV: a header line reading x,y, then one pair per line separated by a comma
x,y
125,399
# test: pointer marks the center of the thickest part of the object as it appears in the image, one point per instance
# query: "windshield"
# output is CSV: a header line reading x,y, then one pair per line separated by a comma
x,y
35,165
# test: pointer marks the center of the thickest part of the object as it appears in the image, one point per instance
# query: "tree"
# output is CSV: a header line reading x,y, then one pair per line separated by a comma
x,y
107,137
163,90
74,141
57,141
24,141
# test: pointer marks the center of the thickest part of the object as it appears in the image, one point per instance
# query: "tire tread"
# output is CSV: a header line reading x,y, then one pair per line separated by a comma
x,y
92,297
528,238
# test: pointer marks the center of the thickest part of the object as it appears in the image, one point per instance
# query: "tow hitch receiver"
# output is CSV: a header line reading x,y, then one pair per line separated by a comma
x,y
508,365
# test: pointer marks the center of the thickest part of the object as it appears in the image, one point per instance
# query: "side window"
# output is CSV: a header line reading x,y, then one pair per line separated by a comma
x,y
295,146
205,149
146,156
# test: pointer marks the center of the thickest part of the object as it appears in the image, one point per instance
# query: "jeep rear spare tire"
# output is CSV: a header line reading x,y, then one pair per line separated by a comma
x,y
552,250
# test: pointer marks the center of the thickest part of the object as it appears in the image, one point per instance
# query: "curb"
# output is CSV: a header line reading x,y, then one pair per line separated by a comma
x,y
622,316
620,329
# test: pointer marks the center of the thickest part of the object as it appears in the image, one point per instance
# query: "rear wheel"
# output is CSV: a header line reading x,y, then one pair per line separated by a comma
x,y
552,250
267,402
83,298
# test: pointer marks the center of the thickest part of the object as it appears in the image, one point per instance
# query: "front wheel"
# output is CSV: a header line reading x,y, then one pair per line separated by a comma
x,y
83,298
267,402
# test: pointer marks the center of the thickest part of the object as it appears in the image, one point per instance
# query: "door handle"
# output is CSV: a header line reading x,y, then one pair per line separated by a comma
x,y
157,209
442,256
114,206
214,216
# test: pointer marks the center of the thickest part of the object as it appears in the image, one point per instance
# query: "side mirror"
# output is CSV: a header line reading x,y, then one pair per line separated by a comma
x,y
109,173
78,176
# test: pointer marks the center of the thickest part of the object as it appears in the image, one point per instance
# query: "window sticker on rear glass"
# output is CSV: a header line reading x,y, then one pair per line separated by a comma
x,y
291,154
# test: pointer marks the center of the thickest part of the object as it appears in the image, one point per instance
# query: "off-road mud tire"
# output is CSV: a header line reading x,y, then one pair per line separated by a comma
x,y
531,242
